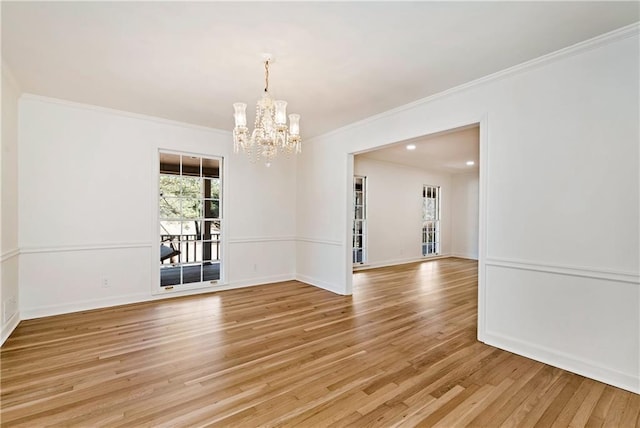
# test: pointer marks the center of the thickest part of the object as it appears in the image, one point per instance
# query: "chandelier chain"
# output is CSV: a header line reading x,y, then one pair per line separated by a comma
x,y
266,76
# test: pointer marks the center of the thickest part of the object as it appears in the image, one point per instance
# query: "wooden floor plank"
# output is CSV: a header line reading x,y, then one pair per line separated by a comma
x,y
401,351
601,409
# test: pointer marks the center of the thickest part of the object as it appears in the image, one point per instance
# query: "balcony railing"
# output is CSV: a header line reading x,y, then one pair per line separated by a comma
x,y
192,248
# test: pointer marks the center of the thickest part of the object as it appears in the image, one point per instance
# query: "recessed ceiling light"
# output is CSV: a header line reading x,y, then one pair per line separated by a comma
x,y
411,146
469,163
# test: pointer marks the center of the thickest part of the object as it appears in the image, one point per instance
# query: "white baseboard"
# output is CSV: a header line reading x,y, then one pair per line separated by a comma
x,y
256,281
396,262
564,361
321,284
8,328
87,305
464,256
83,305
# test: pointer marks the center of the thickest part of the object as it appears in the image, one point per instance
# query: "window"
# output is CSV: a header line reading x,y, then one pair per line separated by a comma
x,y
430,220
190,219
359,220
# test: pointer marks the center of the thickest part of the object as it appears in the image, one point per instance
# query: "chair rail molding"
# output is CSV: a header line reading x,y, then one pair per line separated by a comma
x,y
579,271
257,239
320,241
87,247
9,254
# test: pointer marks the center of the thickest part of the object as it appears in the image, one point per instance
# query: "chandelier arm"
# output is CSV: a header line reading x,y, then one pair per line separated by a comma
x,y
271,134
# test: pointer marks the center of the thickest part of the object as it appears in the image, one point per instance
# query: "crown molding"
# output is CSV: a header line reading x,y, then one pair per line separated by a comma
x,y
575,49
122,113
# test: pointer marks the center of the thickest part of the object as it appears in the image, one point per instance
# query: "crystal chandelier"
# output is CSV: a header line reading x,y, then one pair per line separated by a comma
x,y
271,133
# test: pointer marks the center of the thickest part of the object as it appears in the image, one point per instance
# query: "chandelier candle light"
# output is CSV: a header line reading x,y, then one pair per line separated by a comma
x,y
271,133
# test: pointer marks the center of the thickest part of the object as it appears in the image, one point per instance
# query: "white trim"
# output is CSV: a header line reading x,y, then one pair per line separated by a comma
x,y
83,305
437,220
90,247
320,241
463,256
348,225
351,205
595,42
102,303
583,367
483,223
87,305
123,113
397,262
225,181
9,327
265,280
204,286
155,215
334,288
156,288
610,275
9,255
258,239
207,288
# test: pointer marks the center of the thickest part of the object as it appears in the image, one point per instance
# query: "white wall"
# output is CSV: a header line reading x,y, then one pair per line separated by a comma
x,y
559,203
9,254
87,195
394,223
465,189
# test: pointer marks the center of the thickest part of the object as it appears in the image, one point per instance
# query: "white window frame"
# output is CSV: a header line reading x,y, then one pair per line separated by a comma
x,y
359,224
157,288
431,237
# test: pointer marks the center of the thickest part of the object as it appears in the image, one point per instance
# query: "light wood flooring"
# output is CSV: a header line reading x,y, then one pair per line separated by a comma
x,y
402,351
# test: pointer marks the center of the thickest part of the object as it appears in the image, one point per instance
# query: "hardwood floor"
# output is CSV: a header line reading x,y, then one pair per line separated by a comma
x,y
401,351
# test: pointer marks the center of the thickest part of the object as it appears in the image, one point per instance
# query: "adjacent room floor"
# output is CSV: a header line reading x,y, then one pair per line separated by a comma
x,y
401,351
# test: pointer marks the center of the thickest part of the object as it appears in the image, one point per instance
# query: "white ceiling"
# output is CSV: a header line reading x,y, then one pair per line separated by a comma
x,y
446,151
335,63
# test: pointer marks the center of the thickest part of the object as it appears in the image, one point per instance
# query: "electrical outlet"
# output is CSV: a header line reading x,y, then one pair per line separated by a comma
x,y
104,282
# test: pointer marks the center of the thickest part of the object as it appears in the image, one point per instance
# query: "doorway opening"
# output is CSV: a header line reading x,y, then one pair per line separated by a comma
x,y
422,198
